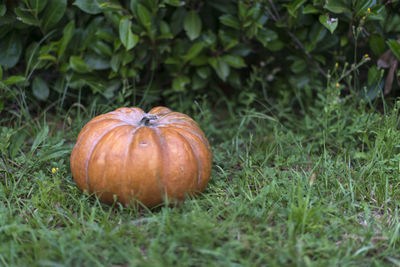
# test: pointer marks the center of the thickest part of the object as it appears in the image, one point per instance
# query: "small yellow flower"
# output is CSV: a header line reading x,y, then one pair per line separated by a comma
x,y
54,170
337,64
366,56
337,84
368,10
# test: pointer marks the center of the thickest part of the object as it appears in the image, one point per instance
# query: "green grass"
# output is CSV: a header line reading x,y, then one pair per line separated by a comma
x,y
317,189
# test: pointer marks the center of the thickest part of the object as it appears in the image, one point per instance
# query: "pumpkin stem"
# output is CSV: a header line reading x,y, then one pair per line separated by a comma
x,y
146,120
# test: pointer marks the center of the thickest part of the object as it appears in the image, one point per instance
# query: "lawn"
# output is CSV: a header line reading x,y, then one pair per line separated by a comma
x,y
289,186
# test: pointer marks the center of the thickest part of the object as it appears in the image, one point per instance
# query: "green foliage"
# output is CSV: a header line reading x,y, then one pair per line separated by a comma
x,y
169,50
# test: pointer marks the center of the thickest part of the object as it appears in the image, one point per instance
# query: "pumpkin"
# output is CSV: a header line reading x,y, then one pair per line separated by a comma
x,y
129,155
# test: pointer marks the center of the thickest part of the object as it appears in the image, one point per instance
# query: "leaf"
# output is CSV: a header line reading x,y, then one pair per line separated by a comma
x,y
53,13
53,153
220,67
26,17
362,6
336,6
192,25
230,21
102,48
143,15
265,36
115,62
47,57
203,72
298,66
37,5
3,9
377,44
373,75
234,61
68,32
310,9
89,6
14,80
329,23
395,47
1,73
10,50
176,3
78,65
179,83
293,6
177,20
40,138
40,89
165,30
127,37
96,62
194,50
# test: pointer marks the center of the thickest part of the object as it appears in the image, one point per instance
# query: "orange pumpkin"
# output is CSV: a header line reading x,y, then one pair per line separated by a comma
x,y
141,156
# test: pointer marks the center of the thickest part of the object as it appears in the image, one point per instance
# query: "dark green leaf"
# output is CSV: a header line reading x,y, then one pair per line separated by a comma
x,y
330,23
192,25
179,83
1,73
3,9
377,13
177,20
242,8
37,5
275,45
395,47
127,37
68,32
234,61
265,36
115,62
220,67
96,62
165,29
294,6
298,66
203,72
102,48
230,21
10,50
176,3
193,51
78,65
310,9
26,17
377,44
40,89
362,6
337,6
143,15
53,13
89,6
374,75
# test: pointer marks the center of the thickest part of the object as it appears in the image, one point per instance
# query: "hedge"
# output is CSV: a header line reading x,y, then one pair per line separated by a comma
x,y
149,51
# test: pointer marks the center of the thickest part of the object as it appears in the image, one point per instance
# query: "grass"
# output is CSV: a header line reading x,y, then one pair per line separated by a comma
x,y
319,189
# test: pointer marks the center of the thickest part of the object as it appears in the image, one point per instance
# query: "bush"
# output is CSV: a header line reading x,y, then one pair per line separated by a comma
x,y
143,52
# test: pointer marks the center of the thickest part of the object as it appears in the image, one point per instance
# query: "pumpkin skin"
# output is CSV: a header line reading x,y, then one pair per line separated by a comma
x,y
141,156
